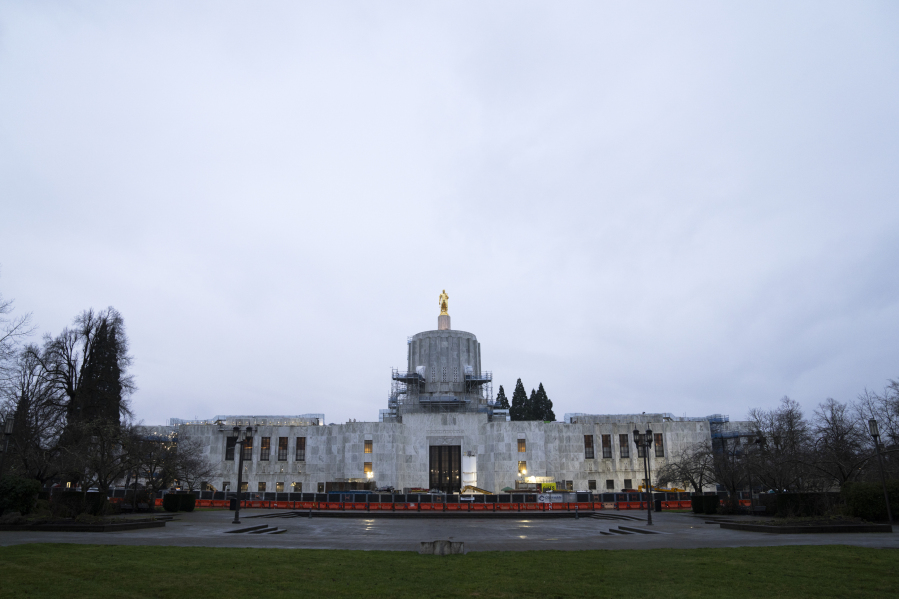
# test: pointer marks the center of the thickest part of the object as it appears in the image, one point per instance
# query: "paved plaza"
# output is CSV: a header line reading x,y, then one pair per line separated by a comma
x,y
674,530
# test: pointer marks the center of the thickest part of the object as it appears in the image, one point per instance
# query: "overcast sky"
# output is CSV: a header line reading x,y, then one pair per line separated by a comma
x,y
671,207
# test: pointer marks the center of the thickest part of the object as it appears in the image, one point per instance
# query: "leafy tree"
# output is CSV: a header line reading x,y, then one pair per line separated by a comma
x,y
542,406
519,409
501,399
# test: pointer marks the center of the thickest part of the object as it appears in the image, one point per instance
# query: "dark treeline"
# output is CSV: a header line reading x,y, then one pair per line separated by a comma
x,y
788,450
68,398
537,406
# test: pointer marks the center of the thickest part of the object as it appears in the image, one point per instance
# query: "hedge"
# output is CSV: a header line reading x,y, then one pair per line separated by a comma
x,y
704,504
179,502
18,494
865,500
72,503
805,504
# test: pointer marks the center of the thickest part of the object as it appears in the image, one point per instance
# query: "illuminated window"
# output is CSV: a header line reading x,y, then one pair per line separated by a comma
x,y
606,446
367,447
522,467
301,449
588,447
244,487
248,448
265,449
282,449
623,447
660,447
367,467
261,487
297,487
522,446
279,487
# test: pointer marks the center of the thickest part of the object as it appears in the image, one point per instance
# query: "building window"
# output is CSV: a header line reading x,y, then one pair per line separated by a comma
x,y
433,375
301,449
321,487
367,447
226,485
265,449
367,467
248,448
279,487
282,449
444,374
591,485
522,467
660,447
297,487
641,450
588,447
624,449
455,374
244,487
261,487
230,442
607,447
522,446
627,483
610,484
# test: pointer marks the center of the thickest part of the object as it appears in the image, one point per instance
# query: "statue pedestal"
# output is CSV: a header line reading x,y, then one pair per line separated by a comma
x,y
443,322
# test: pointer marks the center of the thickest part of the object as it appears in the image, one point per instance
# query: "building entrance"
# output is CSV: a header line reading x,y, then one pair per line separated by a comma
x,y
446,468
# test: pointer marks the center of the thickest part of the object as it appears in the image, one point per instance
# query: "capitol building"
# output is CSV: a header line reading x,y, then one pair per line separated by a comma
x,y
441,431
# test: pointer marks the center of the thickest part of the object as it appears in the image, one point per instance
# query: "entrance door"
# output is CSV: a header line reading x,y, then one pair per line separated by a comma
x,y
446,468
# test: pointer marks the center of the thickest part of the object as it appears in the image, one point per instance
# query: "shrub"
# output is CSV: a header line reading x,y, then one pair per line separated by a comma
x,y
18,494
865,500
70,504
790,505
704,504
171,502
188,502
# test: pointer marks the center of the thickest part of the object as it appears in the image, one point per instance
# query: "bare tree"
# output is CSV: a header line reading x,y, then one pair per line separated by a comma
x,y
102,453
13,329
841,446
783,462
690,467
193,465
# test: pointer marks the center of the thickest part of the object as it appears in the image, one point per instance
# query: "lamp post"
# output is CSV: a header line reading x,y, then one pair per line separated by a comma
x,y
7,433
241,435
875,433
645,442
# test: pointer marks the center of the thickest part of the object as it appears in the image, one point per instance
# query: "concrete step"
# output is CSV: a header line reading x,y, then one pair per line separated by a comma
x,y
248,529
266,530
620,517
619,532
642,531
277,532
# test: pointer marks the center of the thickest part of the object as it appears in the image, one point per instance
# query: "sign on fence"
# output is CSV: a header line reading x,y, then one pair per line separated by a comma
x,y
549,498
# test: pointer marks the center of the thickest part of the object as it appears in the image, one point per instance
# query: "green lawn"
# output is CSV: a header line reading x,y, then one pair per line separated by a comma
x,y
93,571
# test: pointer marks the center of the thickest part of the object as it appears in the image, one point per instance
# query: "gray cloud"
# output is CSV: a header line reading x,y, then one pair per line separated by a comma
x,y
687,208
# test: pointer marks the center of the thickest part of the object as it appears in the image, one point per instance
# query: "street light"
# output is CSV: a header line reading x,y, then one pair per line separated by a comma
x,y
241,435
645,442
875,434
7,433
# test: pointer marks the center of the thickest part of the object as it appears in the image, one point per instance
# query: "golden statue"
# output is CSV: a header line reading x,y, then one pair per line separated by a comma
x,y
444,298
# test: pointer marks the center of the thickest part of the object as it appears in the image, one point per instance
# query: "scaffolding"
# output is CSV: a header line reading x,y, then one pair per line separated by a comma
x,y
407,395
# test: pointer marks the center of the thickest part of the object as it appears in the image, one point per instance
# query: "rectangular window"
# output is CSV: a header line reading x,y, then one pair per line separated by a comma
x,y
624,449
627,483
610,484
588,447
607,446
522,467
641,449
522,446
455,374
297,487
367,447
230,442
444,374
279,487
367,467
248,448
226,485
660,447
265,449
244,487
321,487
282,449
301,449
261,487
591,485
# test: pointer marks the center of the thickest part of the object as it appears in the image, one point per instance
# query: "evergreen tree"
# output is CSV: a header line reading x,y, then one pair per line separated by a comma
x,y
531,410
518,411
501,399
543,406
